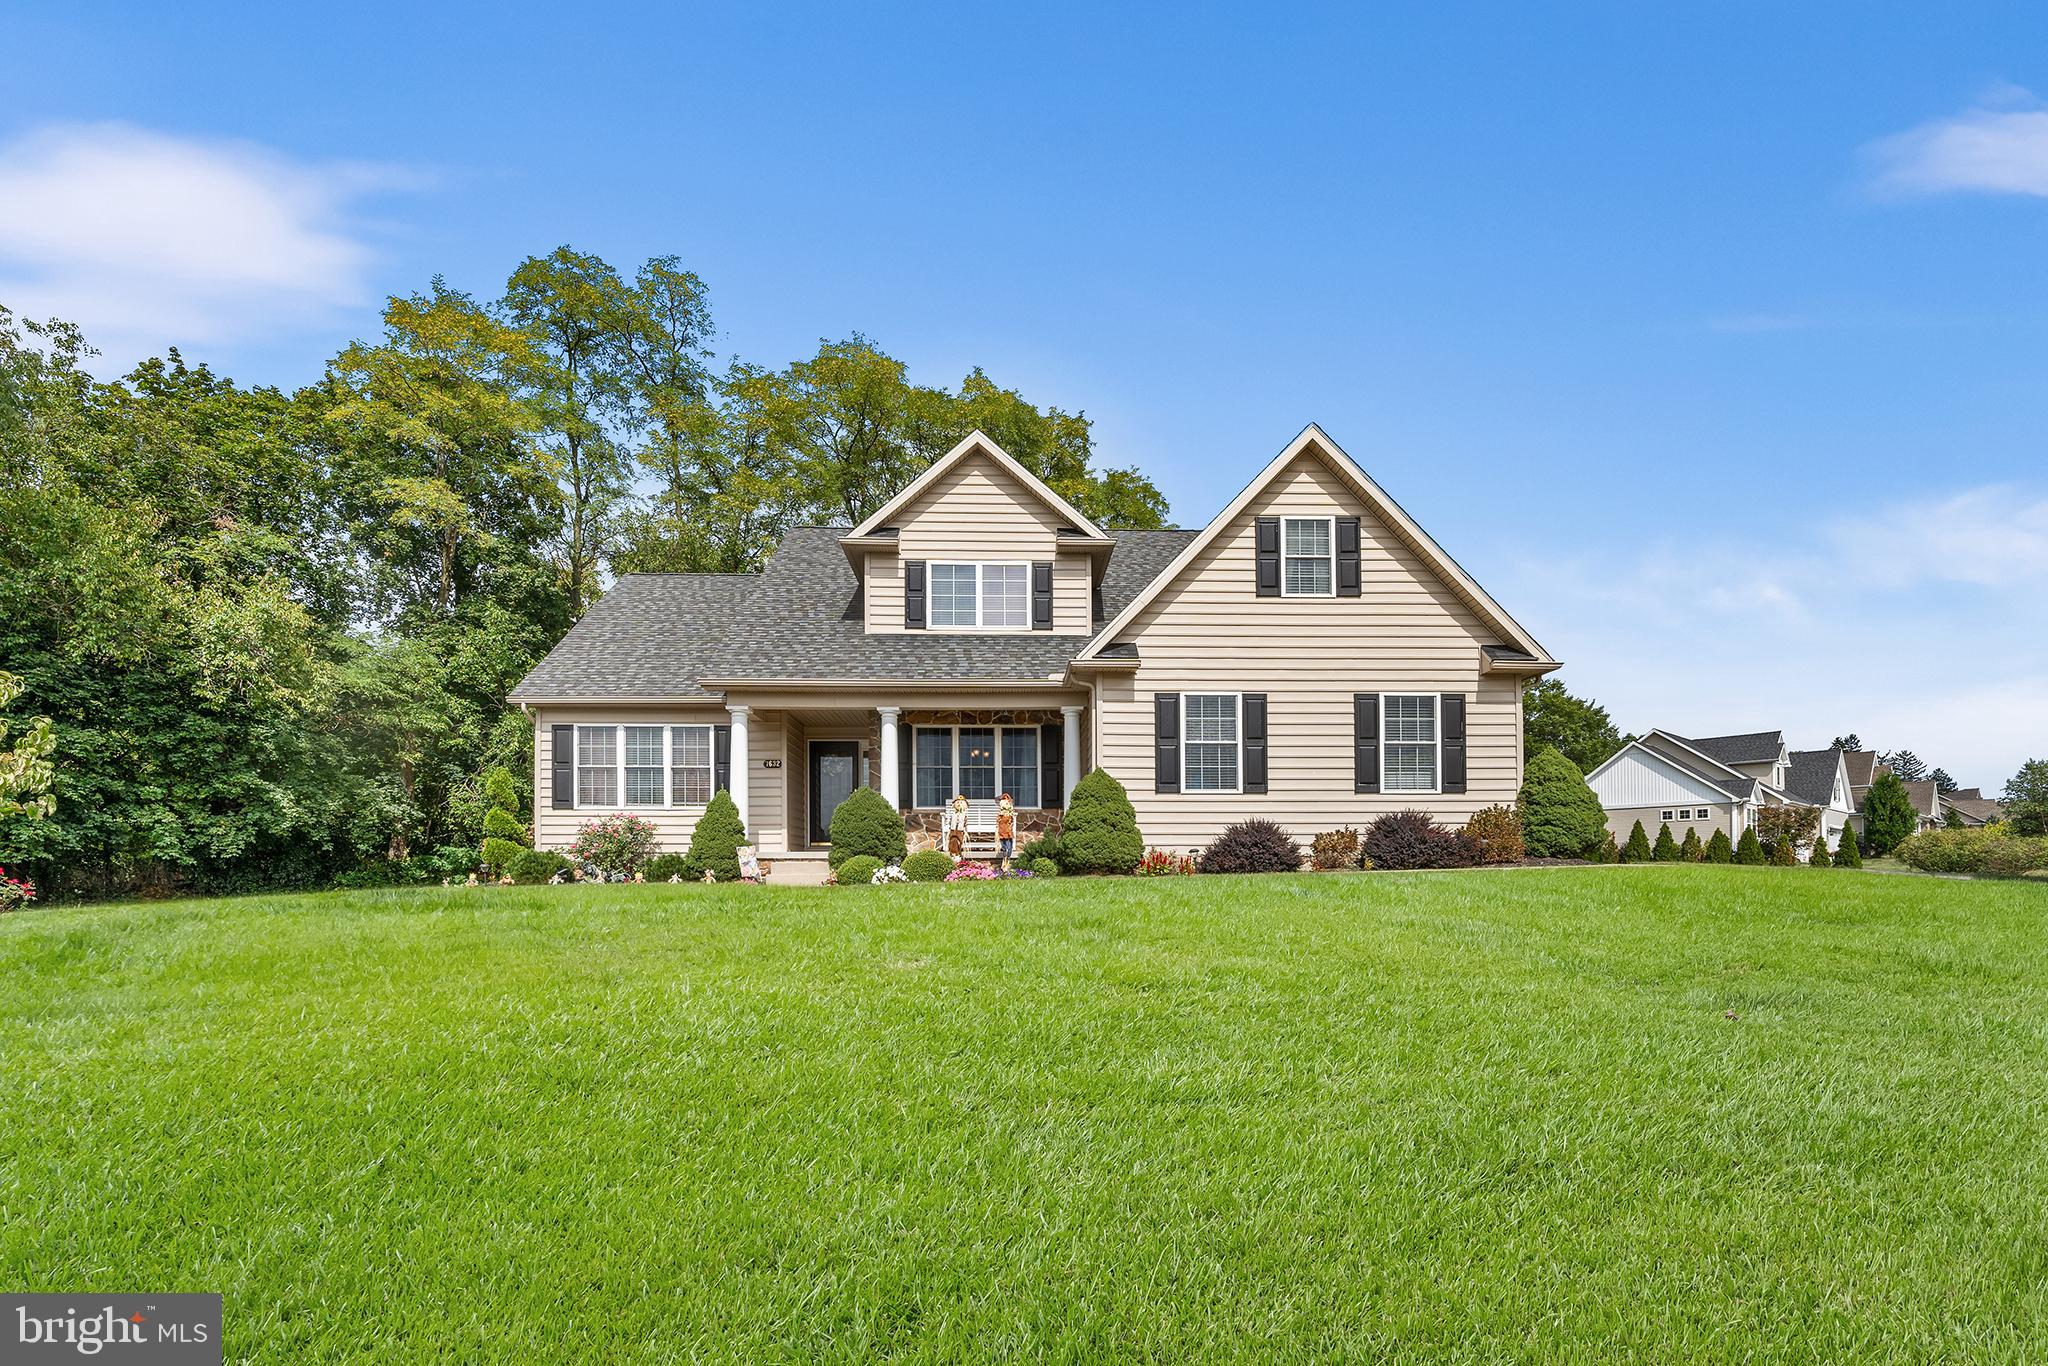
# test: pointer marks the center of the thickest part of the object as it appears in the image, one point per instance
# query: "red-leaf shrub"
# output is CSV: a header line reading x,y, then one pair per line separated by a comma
x,y
1254,846
1410,839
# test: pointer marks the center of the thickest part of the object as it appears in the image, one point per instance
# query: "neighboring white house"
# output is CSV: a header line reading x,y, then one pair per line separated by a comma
x,y
1718,782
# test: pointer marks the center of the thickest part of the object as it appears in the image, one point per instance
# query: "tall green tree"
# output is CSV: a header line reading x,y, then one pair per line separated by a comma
x,y
1575,727
2026,798
1888,814
1906,764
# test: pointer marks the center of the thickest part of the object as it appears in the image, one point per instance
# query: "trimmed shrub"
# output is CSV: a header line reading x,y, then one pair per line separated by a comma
x,y
530,866
860,869
662,867
502,824
1984,851
1719,850
2014,856
865,824
1253,846
1665,850
1607,851
1749,849
1888,814
1100,832
1410,839
1818,857
1691,850
1637,850
1334,849
928,865
1784,856
1561,818
1847,853
1044,847
714,844
498,853
1499,832
501,790
1044,867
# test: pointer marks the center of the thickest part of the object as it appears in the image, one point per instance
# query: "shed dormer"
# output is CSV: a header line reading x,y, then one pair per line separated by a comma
x,y
977,543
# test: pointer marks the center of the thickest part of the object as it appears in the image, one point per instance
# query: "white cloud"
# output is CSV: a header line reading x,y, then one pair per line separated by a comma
x,y
2000,146
1920,624
147,240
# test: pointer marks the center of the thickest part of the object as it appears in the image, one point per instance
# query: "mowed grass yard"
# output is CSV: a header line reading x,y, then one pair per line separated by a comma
x,y
1466,1115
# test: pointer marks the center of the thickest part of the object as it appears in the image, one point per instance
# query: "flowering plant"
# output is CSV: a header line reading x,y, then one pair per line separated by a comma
x,y
615,844
1161,863
984,872
887,873
15,892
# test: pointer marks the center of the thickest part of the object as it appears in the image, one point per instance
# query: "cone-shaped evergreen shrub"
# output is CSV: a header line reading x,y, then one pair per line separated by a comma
x,y
501,790
1666,848
1847,854
1749,849
1561,818
1719,850
504,832
1607,851
1888,814
1691,851
1819,857
865,823
1100,831
1637,850
714,844
1783,855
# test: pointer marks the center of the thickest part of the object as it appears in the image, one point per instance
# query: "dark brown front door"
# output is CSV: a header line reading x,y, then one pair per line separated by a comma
x,y
835,772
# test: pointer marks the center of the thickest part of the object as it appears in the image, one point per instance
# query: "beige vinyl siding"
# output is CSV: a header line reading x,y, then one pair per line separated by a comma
x,y
765,800
1208,631
978,511
1721,816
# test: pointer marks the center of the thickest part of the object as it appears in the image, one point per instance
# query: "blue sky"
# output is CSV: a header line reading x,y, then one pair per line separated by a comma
x,y
1713,343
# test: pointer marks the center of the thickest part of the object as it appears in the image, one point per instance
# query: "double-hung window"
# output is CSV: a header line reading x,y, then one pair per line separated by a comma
x,y
1308,564
1210,742
689,765
988,597
1409,743
976,762
597,766
646,762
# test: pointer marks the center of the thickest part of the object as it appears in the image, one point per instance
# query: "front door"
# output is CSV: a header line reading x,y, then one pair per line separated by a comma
x,y
835,772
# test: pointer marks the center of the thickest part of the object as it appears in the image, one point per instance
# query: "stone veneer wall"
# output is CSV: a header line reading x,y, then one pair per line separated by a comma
x,y
923,827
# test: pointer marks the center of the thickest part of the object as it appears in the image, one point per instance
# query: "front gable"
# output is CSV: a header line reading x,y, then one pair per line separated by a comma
x,y
1639,777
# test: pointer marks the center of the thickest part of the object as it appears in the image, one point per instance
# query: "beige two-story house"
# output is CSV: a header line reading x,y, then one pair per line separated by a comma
x,y
1311,656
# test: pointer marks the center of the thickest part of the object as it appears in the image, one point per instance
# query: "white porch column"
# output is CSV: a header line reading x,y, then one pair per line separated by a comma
x,y
741,763
1070,752
890,716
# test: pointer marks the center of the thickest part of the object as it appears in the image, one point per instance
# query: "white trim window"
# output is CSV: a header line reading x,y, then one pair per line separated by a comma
x,y
1308,557
1211,743
991,596
597,766
1411,742
976,762
690,774
645,770
1665,816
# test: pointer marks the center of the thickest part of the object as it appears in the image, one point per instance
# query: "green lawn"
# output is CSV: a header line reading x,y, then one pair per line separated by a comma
x,y
1465,1115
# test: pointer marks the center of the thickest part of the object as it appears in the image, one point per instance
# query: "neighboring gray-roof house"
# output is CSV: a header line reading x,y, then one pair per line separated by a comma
x,y
1310,655
1971,807
1718,782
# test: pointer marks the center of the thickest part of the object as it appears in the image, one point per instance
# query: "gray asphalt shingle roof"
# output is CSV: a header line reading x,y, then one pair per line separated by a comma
x,y
1757,747
658,635
1717,775
1810,778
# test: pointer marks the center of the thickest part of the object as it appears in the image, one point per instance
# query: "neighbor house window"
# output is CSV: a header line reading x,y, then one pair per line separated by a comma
x,y
989,597
976,762
597,766
690,765
1408,746
1209,742
1308,563
646,764
1665,816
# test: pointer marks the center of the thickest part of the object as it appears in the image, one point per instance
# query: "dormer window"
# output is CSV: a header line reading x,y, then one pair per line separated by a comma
x,y
988,597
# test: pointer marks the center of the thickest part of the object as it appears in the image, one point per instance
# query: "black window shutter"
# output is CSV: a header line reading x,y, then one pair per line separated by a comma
x,y
913,595
906,771
1166,742
1041,596
1052,759
1365,741
563,764
1451,716
1255,742
721,758
1267,546
1348,579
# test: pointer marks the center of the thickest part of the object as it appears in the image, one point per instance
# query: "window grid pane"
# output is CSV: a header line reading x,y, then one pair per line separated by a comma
x,y
1209,749
597,774
952,594
1211,768
1005,595
1307,561
1410,768
934,776
1411,720
978,763
1308,536
690,778
1212,717
1020,766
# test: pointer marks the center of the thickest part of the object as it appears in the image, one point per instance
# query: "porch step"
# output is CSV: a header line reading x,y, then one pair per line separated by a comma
x,y
801,868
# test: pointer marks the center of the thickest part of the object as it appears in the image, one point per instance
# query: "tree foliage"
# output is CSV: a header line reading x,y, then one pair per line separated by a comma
x,y
2026,798
1888,814
1575,727
1847,854
1905,763
1561,818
